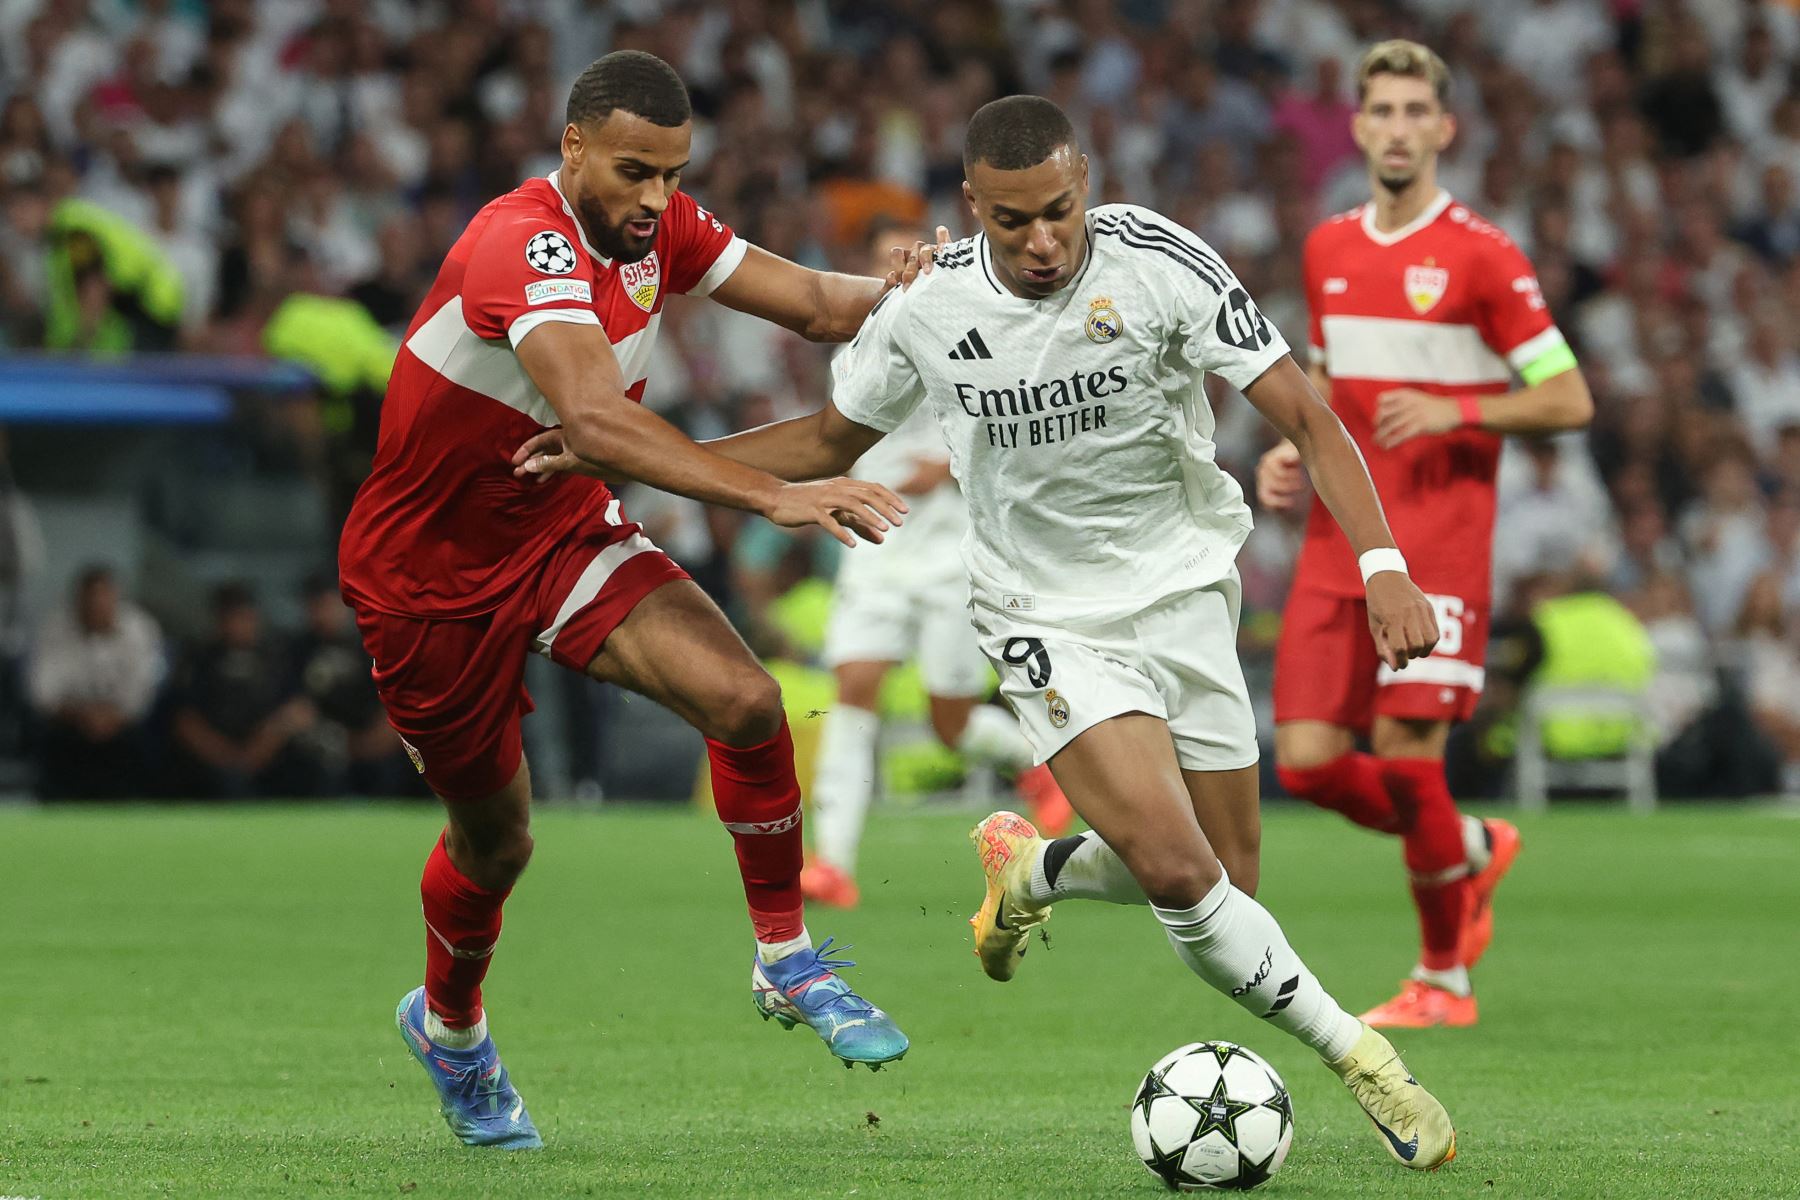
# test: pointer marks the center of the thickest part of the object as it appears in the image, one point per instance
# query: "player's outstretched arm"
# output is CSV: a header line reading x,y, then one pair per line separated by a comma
x,y
1401,619
821,306
810,447
1555,404
608,435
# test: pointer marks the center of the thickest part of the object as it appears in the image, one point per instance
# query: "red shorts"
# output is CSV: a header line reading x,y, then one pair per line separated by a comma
x,y
455,689
1326,668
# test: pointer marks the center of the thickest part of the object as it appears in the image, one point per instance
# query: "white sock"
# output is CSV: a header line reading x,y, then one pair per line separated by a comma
x,y
843,784
1091,872
1232,942
992,736
774,952
1455,980
1475,844
454,1039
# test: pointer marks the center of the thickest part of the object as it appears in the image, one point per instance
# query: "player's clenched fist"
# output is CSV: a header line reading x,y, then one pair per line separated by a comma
x,y
844,508
1403,622
1280,480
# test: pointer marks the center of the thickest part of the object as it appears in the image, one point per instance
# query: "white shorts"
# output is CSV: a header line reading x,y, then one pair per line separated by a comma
x,y
1176,660
875,621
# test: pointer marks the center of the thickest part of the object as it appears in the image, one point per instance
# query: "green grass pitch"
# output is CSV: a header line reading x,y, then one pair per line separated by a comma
x,y
198,1003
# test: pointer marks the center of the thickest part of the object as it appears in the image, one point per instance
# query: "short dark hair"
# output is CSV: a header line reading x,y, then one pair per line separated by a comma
x,y
1016,132
93,574
641,84
231,596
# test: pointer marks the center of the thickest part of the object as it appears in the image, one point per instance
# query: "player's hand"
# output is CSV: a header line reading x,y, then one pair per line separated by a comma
x,y
1280,479
544,455
1402,414
928,475
1401,618
907,265
845,508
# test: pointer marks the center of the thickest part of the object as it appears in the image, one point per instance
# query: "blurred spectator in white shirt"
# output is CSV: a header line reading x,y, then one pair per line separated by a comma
x,y
93,679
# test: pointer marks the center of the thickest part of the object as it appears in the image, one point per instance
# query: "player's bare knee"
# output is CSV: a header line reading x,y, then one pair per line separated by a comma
x,y
1178,881
493,854
748,712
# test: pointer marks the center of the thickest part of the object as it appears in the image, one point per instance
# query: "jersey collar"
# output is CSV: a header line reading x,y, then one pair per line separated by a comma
x,y
1432,212
579,231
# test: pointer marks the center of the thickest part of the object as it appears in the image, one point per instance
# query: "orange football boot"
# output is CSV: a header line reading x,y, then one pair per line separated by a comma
x,y
828,885
1050,809
1421,1005
1478,930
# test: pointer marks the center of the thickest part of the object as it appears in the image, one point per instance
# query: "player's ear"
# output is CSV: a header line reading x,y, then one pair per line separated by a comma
x,y
572,143
1084,176
969,199
1446,133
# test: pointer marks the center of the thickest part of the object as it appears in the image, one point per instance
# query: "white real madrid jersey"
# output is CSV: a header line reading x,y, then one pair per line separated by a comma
x,y
923,553
1076,423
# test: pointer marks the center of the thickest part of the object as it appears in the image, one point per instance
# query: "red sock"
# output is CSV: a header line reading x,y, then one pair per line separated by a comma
x,y
1350,784
1435,857
758,798
462,923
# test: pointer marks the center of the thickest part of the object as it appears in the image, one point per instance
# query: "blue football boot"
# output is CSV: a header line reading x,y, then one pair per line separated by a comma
x,y
478,1100
804,989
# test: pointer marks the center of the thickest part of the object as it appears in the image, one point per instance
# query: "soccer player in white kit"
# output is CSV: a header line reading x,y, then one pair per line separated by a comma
x,y
908,599
1062,351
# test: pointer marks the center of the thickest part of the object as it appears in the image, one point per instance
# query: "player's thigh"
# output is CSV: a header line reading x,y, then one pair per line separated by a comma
x,y
1325,663
455,693
1122,777
1060,684
1228,806
677,648
1188,647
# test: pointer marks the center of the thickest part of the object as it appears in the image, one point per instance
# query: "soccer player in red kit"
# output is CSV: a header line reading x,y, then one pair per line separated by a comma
x,y
1421,314
543,315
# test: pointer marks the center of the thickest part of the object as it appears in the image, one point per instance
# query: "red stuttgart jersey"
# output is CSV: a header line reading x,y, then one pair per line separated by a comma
x,y
1448,305
441,528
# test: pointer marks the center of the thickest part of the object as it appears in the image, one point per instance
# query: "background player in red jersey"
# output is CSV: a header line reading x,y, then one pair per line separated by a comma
x,y
1421,314
543,315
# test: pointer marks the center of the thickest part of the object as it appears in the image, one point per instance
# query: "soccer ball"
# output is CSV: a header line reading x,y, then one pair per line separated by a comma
x,y
1212,1115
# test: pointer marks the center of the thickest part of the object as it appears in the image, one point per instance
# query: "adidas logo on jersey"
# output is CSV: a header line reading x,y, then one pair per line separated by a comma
x,y
971,347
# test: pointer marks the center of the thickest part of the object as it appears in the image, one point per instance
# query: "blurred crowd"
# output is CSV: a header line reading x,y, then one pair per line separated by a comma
x,y
243,711
178,174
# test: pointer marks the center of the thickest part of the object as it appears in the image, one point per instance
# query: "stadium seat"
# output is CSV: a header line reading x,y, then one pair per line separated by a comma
x,y
1537,771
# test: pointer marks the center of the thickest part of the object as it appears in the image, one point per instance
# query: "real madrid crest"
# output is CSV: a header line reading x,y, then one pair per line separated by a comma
x,y
1103,321
1059,708
641,280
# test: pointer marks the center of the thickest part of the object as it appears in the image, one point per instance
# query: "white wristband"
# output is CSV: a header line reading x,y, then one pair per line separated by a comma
x,y
1382,558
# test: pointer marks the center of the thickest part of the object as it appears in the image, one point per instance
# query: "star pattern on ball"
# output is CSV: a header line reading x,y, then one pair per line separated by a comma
x,y
1152,1087
1219,1111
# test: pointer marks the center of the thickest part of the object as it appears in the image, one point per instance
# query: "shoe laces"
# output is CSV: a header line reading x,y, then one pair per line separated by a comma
x,y
1392,1103
482,1083
841,1000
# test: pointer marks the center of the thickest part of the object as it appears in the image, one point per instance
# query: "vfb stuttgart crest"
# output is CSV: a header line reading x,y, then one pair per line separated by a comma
x,y
641,280
1425,285
1103,321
